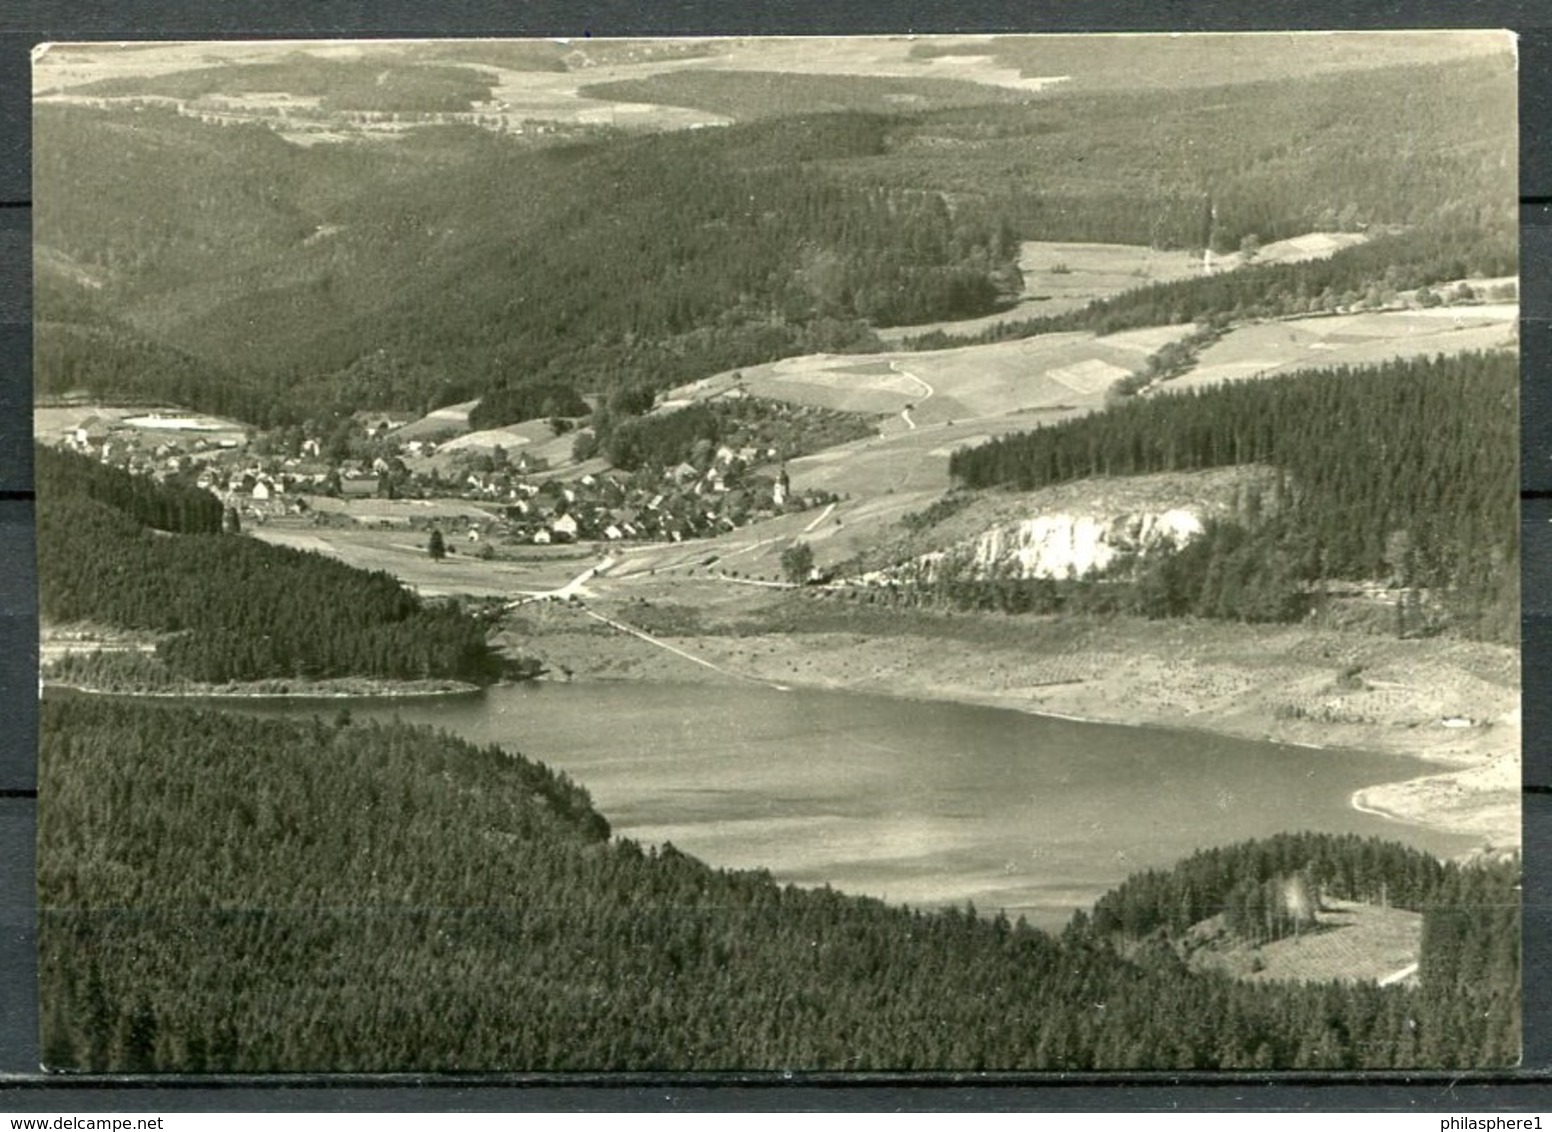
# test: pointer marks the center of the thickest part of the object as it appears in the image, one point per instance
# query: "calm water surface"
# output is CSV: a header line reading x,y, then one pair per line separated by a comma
x,y
917,802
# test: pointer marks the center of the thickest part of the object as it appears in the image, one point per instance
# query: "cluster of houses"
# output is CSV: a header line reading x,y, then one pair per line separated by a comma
x,y
681,503
147,450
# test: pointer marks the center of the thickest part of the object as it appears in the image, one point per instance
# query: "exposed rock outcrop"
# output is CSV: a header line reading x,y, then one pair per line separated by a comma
x,y
1066,545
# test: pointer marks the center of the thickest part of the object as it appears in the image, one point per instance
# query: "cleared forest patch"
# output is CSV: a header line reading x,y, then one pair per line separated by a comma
x,y
1352,942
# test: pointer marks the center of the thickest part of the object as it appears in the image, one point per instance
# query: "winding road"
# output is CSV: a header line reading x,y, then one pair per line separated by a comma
x,y
905,413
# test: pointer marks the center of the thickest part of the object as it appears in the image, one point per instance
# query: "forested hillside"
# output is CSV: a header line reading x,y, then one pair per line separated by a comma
x,y
313,895
717,250
455,263
175,507
1266,890
231,608
1404,473
1182,167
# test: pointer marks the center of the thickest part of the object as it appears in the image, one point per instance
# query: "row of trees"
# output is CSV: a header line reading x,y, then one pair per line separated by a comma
x,y
224,893
1405,472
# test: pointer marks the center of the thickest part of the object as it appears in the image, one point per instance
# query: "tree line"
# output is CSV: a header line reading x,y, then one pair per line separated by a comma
x,y
219,893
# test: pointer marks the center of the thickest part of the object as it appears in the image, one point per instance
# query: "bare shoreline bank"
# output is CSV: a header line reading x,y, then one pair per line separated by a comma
x,y
1282,685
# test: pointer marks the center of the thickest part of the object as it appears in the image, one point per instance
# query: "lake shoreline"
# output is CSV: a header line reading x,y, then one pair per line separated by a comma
x,y
1277,684
323,690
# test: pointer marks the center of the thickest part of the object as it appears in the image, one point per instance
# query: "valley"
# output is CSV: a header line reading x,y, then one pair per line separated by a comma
x,y
831,553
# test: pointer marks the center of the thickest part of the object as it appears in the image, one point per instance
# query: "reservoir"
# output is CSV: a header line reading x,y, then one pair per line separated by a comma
x,y
917,802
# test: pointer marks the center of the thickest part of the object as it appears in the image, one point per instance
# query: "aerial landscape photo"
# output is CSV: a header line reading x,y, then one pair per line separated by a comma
x,y
894,555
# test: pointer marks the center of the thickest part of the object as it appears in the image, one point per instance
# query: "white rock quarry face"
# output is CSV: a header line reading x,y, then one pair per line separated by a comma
x,y
1065,545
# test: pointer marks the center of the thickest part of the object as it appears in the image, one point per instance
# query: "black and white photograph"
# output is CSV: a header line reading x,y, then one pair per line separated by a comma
x,y
907,554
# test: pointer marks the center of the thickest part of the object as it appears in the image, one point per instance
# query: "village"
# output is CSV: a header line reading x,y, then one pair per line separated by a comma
x,y
366,472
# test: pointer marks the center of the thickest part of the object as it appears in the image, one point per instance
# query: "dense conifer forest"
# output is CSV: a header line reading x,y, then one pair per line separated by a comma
x,y
225,893
166,506
231,608
1404,473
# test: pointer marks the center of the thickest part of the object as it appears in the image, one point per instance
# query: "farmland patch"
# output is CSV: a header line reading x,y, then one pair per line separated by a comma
x,y
1269,348
1063,277
1052,373
439,422
488,438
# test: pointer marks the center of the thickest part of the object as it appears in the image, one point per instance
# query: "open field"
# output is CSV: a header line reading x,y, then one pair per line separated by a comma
x,y
1266,348
512,437
51,424
835,533
1353,942
1052,372
521,97
439,422
398,512
1296,249
534,439
403,554
1063,277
